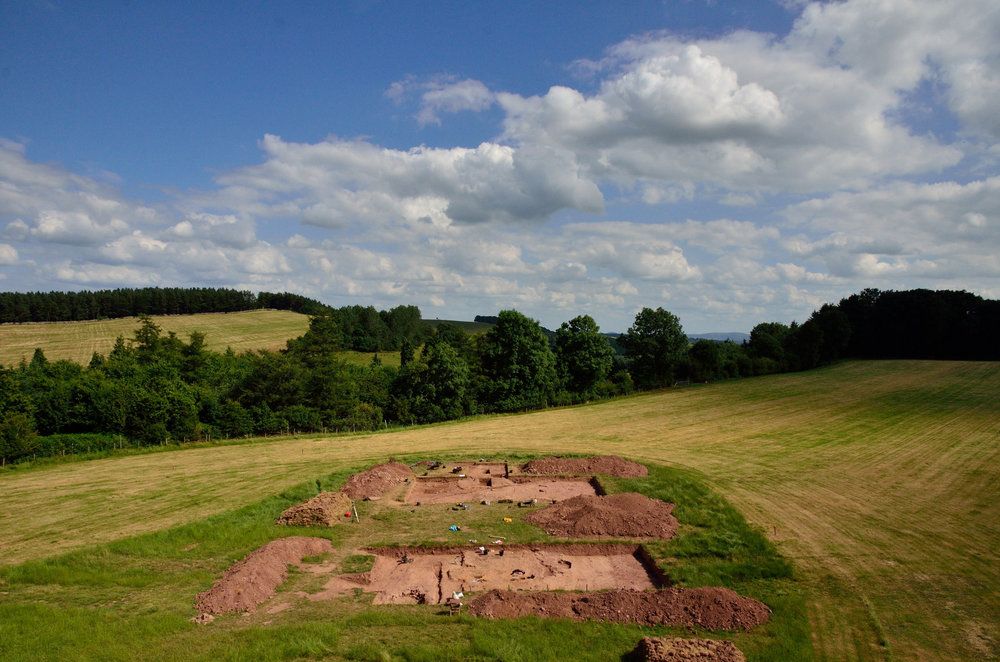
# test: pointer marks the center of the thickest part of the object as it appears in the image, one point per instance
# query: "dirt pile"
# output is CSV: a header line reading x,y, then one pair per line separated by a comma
x,y
253,580
324,509
610,465
377,481
711,608
628,514
661,649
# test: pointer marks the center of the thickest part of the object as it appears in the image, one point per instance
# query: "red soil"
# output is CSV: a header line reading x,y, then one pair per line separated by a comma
x,y
376,481
253,580
429,576
661,649
610,465
710,608
451,490
324,509
468,468
628,514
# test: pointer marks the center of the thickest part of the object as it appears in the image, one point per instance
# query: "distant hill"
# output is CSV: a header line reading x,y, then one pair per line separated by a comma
x,y
735,336
484,322
468,327
77,341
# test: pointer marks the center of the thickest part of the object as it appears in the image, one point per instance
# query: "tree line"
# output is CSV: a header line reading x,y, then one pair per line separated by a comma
x,y
156,388
363,328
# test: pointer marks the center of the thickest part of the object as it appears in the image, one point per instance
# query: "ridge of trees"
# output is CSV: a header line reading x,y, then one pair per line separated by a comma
x,y
363,328
156,388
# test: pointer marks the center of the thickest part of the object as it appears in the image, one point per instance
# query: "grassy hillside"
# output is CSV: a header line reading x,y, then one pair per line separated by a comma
x,y
878,479
77,341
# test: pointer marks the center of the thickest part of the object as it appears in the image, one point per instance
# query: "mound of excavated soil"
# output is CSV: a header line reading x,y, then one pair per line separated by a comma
x,y
661,649
628,514
253,580
711,608
324,509
610,465
377,481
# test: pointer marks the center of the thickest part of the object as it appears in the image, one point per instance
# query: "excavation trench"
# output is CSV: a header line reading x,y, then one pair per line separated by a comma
x,y
430,576
439,489
468,469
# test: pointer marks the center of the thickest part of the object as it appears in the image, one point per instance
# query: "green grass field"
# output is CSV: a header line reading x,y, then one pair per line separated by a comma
x,y
243,331
879,481
77,341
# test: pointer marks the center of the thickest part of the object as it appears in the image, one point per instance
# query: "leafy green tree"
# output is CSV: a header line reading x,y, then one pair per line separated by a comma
x,y
406,353
319,344
705,360
403,323
655,346
443,384
17,437
583,356
804,346
147,339
516,363
300,418
836,332
272,379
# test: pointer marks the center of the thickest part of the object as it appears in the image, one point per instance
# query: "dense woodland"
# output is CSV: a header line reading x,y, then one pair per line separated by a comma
x,y
156,388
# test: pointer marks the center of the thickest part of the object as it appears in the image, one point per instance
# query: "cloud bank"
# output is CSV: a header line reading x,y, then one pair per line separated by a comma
x,y
731,179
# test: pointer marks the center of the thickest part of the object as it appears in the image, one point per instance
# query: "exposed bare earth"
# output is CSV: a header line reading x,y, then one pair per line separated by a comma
x,y
378,480
627,514
467,469
253,580
430,577
324,509
451,490
710,608
609,465
663,649
878,479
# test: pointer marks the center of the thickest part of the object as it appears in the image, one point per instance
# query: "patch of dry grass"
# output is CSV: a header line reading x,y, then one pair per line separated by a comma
x,y
77,341
878,479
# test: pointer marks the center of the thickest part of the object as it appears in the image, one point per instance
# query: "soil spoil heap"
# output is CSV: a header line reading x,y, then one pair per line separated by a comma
x,y
249,582
610,465
628,514
662,649
376,481
710,608
324,509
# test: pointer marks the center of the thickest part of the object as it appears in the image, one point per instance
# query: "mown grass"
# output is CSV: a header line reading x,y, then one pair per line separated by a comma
x,y
132,599
77,341
880,481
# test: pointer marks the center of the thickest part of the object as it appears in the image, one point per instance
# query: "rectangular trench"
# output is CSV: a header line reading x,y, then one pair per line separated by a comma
x,y
437,490
430,576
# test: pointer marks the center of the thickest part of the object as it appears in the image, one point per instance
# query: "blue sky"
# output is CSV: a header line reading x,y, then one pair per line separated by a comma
x,y
733,162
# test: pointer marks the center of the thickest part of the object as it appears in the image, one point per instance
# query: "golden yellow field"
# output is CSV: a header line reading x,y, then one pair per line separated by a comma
x,y
77,341
880,480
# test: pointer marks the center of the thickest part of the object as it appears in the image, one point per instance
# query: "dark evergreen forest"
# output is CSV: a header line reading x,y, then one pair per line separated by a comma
x,y
156,388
